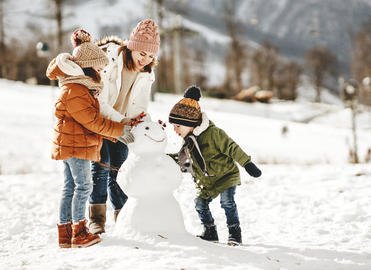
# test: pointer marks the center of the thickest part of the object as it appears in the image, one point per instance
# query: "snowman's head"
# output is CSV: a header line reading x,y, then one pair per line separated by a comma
x,y
150,137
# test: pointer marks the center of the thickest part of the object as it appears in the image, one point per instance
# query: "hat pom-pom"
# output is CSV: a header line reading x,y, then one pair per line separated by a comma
x,y
193,92
80,36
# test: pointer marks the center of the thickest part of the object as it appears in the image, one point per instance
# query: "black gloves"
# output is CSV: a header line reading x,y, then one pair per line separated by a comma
x,y
252,169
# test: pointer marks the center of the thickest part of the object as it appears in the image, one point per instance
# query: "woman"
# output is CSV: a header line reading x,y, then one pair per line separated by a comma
x,y
126,94
78,133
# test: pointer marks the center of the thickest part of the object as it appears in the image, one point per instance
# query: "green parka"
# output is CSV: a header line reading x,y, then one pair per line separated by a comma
x,y
220,154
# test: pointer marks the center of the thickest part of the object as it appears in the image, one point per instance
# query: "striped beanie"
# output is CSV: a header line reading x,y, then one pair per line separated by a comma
x,y
187,111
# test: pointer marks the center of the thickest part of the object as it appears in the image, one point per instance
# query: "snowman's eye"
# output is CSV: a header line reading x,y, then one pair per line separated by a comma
x,y
147,128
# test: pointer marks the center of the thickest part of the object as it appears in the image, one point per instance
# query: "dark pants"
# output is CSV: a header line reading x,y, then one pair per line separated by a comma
x,y
104,178
227,203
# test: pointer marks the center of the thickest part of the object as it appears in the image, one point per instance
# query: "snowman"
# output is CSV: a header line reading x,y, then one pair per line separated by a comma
x,y
150,183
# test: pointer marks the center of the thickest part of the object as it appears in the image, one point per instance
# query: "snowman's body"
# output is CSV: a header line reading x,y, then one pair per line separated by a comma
x,y
150,184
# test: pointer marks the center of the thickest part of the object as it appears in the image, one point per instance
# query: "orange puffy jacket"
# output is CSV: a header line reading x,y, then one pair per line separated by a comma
x,y
80,126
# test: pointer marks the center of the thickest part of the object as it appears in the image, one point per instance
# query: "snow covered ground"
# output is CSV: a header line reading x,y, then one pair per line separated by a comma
x,y
309,210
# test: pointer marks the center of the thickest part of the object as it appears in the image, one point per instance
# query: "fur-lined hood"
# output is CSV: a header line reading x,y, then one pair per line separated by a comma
x,y
205,123
63,69
62,66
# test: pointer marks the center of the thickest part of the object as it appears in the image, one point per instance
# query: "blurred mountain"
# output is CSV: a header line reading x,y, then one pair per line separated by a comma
x,y
293,26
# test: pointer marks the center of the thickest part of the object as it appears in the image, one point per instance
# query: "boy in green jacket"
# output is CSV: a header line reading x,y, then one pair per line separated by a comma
x,y
209,155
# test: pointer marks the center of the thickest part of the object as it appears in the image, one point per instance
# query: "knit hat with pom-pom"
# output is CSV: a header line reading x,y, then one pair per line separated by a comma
x,y
85,53
145,37
187,111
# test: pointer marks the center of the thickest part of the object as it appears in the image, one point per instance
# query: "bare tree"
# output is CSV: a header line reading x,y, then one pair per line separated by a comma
x,y
321,62
286,80
10,53
169,60
13,57
263,65
361,61
59,18
31,66
173,71
199,77
236,58
2,41
158,11
58,15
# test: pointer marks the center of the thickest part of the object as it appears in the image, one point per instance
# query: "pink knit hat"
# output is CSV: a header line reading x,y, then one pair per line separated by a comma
x,y
145,37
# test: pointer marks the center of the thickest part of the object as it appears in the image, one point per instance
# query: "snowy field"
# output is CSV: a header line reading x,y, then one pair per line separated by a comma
x,y
309,210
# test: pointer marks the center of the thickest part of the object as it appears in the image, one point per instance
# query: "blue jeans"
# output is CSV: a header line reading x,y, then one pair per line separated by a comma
x,y
76,190
227,203
113,156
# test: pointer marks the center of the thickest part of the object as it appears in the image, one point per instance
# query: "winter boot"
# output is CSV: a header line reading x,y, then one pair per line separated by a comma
x,y
234,237
116,214
97,215
210,233
81,237
64,235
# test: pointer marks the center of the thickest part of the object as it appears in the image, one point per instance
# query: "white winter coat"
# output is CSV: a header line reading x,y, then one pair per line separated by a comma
x,y
140,93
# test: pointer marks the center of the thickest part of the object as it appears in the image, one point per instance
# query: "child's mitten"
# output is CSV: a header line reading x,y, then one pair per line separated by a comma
x,y
252,169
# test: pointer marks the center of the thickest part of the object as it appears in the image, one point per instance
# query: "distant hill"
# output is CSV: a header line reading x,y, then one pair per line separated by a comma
x,y
293,26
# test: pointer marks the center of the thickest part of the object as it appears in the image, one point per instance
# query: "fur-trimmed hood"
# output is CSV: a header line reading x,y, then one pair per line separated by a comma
x,y
205,123
190,142
61,67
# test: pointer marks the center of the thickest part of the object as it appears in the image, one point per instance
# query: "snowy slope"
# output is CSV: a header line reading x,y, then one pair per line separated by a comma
x,y
309,210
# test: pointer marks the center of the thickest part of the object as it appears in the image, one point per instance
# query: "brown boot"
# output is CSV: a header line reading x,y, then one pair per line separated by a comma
x,y
97,215
64,235
81,237
115,214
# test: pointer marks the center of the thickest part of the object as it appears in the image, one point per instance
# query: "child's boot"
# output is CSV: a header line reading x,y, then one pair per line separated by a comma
x,y
210,233
81,237
97,216
234,237
64,235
